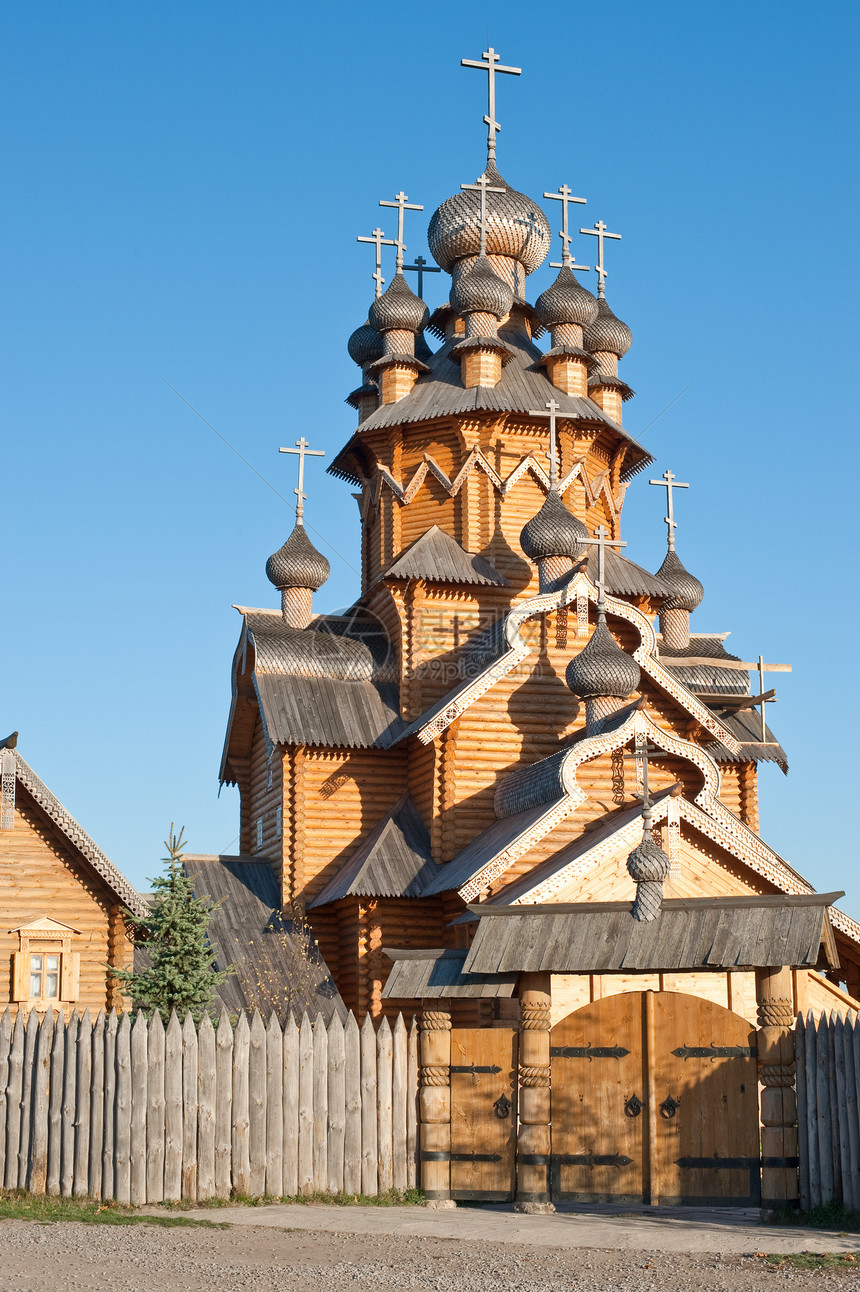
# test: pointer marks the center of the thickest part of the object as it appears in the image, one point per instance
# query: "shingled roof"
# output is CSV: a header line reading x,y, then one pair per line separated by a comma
x,y
437,557
395,860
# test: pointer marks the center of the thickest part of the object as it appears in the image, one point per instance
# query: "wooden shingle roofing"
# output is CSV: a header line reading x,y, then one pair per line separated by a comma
x,y
395,860
437,557
440,974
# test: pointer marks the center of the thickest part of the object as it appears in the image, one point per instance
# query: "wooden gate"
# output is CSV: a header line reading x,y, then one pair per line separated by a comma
x,y
483,1113
655,1099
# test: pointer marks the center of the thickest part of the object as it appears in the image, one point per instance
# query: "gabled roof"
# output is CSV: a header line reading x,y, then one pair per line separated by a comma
x,y
278,966
394,860
436,557
700,933
623,576
76,834
440,974
524,385
745,726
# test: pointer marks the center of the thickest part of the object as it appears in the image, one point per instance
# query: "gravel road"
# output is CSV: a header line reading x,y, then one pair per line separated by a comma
x,y
67,1257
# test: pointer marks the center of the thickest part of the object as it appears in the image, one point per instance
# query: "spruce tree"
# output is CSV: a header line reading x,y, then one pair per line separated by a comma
x,y
181,973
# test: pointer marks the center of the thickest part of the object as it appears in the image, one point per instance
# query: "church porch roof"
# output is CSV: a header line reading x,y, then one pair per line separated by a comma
x,y
395,860
437,557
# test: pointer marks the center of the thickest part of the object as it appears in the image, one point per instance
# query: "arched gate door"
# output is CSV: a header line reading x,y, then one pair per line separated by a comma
x,y
655,1099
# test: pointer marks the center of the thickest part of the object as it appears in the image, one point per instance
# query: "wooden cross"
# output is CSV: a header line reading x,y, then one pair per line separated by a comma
x,y
602,543
553,463
565,196
401,201
668,482
302,451
380,241
641,754
734,702
483,186
421,268
600,232
489,63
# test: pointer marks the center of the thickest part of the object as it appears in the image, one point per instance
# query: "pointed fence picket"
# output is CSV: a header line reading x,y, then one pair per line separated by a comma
x,y
125,1108
827,1050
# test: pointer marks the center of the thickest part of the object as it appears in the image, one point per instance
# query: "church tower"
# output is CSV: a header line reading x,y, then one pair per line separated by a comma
x,y
480,727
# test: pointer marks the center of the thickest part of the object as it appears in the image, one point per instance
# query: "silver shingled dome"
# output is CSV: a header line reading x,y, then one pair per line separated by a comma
x,y
566,301
607,332
297,564
553,531
516,226
687,591
602,669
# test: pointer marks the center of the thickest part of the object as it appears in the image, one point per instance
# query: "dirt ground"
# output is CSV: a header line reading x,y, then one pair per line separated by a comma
x,y
72,1257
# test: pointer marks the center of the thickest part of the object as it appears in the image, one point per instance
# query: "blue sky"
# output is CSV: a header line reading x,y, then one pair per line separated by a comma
x,y
183,187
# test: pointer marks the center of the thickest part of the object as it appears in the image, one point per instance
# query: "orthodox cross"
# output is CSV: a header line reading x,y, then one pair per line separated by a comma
x,y
600,232
302,451
553,463
602,543
641,754
565,196
767,697
401,201
483,186
668,482
421,268
380,240
489,63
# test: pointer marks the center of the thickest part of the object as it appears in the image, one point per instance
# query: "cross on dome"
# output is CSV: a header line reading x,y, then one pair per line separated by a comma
x,y
600,232
565,196
302,450
668,482
553,407
603,542
402,203
483,186
379,239
421,267
489,63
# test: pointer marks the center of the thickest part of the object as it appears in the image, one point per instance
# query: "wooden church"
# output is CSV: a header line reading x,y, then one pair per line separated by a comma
x,y
513,714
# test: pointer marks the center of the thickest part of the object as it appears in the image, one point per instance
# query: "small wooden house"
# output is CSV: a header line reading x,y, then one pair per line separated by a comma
x,y
62,902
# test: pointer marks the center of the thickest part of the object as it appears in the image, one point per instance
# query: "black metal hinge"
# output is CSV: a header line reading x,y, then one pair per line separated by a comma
x,y
591,1159
587,1051
718,1163
442,1155
473,1067
715,1051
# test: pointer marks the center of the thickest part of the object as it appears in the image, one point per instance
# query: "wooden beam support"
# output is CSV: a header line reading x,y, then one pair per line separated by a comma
x,y
434,1103
776,1066
534,1137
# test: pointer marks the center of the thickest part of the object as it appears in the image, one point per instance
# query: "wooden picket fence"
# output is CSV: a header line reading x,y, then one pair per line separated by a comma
x,y
828,1110
124,1109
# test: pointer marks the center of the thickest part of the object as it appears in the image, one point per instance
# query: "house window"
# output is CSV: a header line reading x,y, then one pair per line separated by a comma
x,y
44,977
259,833
279,820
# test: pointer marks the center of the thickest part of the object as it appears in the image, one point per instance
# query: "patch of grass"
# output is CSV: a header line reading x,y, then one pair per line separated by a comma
x,y
815,1260
17,1205
831,1216
392,1198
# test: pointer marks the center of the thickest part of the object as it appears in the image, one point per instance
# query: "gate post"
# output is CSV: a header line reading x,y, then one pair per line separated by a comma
x,y
434,1102
776,1069
534,1135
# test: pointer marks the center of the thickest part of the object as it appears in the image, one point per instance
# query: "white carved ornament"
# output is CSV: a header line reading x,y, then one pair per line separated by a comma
x,y
8,777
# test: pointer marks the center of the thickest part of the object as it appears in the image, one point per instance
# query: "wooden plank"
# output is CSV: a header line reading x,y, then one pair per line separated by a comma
x,y
306,1107
399,1101
369,1133
6,1025
206,1096
122,1114
173,1109
836,1156
320,1111
810,1127
155,1111
412,1106
97,1106
70,1072
291,1109
352,1110
37,1176
139,1097
384,1102
31,1036
852,1107
274,1108
843,1147
257,1106
336,1104
189,1110
224,1107
108,1178
241,1109
55,1110
824,1111
82,1128
800,1043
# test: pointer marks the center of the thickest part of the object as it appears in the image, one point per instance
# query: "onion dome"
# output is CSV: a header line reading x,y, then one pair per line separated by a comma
x,y
365,345
648,862
566,301
686,589
398,309
602,669
297,564
481,291
607,332
516,226
554,531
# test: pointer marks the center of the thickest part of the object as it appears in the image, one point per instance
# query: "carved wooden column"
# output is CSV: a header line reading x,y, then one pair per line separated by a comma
x,y
776,1068
434,1103
534,1137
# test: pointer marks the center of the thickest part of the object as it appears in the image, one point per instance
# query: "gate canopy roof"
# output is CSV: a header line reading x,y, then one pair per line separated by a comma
x,y
689,933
